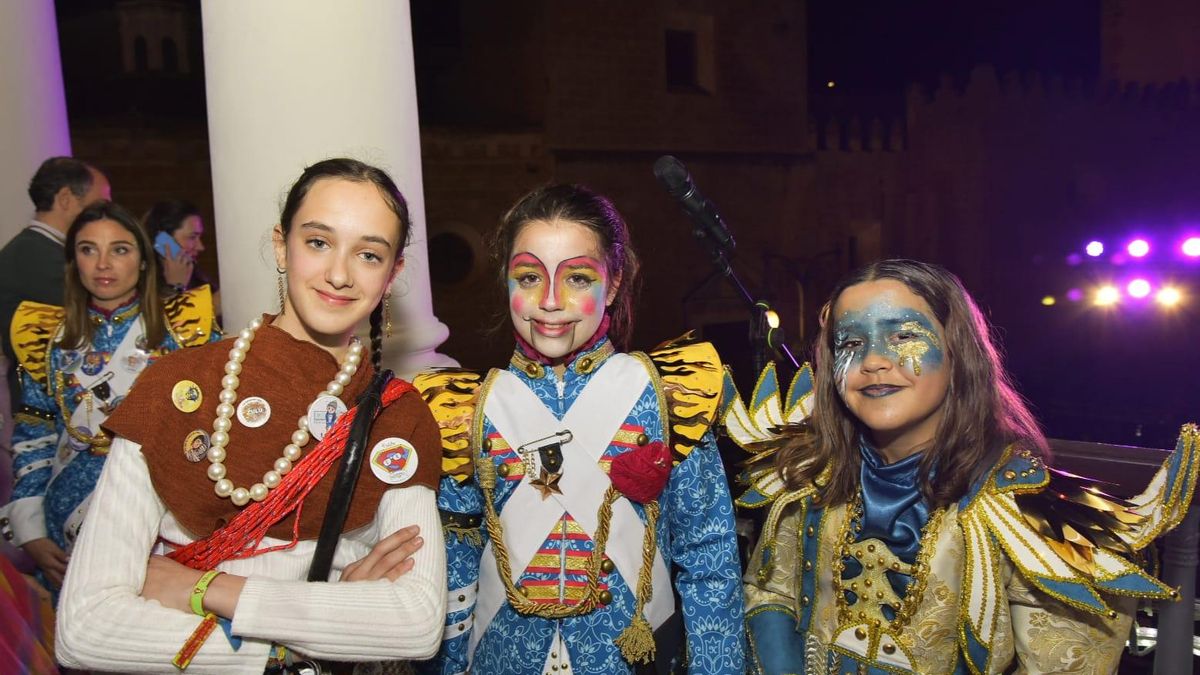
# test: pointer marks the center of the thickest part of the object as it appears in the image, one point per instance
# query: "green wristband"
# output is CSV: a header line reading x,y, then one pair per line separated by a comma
x,y
200,589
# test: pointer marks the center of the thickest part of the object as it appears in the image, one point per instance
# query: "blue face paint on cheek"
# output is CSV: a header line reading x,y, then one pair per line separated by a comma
x,y
903,335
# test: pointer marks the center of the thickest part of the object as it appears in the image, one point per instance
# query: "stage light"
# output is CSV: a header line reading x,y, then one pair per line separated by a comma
x,y
1191,247
1138,248
1048,301
1075,295
1168,296
772,318
1094,249
1138,288
1107,296
831,84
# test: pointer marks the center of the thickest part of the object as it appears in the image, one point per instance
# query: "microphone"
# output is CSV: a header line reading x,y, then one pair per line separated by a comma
x,y
675,178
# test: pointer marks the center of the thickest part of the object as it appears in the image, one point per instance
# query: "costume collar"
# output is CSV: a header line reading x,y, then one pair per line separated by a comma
x,y
583,361
893,509
99,315
47,231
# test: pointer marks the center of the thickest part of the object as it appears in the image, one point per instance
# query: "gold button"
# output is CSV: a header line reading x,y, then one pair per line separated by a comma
x,y
871,548
462,626
643,439
585,365
804,600
605,597
896,566
487,444
809,531
889,648
524,591
867,583
878,595
502,470
1010,474
807,565
462,598
860,633
531,369
554,655
607,566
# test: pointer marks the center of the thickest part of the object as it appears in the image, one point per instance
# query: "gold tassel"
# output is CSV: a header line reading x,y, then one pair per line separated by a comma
x,y
637,641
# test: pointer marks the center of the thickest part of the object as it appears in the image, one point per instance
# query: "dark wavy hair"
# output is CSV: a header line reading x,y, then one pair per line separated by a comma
x,y
352,170
578,204
168,215
77,328
982,413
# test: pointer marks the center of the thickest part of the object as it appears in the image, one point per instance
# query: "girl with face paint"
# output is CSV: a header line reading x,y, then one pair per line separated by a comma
x,y
585,481
914,524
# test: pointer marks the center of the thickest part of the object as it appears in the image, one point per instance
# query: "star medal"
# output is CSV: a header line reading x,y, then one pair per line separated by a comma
x,y
393,460
254,412
323,414
547,483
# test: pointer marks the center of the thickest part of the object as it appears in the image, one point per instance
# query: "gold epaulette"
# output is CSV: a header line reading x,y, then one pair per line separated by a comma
x,y
34,326
452,394
689,373
190,316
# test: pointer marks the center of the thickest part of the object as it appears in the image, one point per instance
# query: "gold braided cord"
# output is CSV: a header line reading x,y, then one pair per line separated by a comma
x,y
98,443
636,642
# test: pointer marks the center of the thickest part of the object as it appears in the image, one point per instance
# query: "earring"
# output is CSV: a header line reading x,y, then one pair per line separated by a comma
x,y
387,314
142,266
279,281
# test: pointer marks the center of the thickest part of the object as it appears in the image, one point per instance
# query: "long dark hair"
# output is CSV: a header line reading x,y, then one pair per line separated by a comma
x,y
982,412
578,204
77,328
353,170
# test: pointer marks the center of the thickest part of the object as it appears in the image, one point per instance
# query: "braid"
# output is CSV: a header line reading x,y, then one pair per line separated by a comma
x,y
377,336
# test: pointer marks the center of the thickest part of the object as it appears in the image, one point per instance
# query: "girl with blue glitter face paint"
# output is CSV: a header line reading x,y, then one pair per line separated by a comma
x,y
888,365
914,525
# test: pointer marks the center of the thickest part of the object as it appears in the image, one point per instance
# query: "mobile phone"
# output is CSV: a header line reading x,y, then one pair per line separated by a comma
x,y
166,245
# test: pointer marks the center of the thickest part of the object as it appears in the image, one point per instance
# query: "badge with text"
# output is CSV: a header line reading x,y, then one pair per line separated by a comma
x,y
186,396
254,411
195,446
136,362
393,460
323,414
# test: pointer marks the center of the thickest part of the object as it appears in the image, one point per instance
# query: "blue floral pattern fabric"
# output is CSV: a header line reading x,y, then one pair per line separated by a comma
x,y
695,535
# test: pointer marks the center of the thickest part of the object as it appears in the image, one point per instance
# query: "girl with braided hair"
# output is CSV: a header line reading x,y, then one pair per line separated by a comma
x,y
236,524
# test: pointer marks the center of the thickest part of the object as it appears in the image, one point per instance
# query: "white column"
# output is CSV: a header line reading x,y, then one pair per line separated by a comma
x,y
292,82
33,117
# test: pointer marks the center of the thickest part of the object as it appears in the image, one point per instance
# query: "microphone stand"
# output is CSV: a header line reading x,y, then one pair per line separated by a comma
x,y
766,338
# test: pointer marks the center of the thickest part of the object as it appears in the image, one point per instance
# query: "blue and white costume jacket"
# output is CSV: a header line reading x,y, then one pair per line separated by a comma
x,y
1029,568
526,605
58,447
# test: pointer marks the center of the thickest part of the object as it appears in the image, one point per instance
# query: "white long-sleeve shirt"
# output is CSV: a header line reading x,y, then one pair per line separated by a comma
x,y
104,624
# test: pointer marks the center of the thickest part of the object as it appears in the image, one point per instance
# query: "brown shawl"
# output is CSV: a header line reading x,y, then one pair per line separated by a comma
x,y
289,374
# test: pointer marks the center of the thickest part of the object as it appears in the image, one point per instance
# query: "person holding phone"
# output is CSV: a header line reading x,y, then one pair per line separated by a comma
x,y
178,232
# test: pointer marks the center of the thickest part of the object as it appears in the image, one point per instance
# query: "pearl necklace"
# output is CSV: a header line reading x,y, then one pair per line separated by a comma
x,y
225,410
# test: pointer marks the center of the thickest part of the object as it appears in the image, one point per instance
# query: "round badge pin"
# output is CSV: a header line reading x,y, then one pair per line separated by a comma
x,y
323,414
254,412
393,460
135,363
70,361
94,362
196,445
186,396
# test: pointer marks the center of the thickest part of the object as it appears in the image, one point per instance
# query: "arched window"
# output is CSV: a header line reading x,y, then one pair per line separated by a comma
x,y
141,61
170,55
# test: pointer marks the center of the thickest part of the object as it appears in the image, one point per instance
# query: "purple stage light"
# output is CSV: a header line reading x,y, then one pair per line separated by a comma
x,y
1094,248
1138,248
1191,247
1138,288
1075,294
